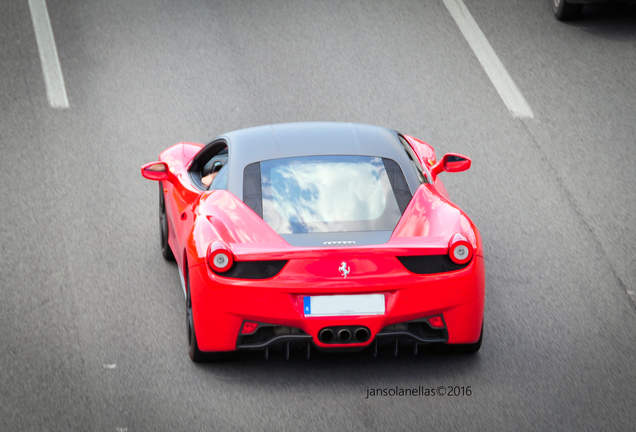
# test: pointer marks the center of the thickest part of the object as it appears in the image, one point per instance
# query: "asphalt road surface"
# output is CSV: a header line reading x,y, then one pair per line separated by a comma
x,y
92,319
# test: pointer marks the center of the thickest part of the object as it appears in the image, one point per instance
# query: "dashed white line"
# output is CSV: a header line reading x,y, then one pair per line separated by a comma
x,y
51,69
501,79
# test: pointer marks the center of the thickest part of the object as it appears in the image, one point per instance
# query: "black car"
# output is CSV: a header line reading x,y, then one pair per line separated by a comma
x,y
565,10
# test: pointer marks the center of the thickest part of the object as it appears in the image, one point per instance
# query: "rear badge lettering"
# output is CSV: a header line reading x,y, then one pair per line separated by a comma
x,y
339,243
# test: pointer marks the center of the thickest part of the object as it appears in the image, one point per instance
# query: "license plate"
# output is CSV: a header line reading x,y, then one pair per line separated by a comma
x,y
344,305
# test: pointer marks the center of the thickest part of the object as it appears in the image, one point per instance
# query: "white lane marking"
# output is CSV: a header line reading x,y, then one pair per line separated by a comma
x,y
505,86
110,366
51,69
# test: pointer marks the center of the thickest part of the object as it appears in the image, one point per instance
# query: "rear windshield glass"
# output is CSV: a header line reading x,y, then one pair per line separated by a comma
x,y
328,194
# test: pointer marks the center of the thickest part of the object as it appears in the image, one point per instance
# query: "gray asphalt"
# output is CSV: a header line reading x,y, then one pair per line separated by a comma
x,y
92,318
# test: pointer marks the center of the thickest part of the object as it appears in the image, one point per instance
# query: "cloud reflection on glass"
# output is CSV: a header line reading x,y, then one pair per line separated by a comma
x,y
328,194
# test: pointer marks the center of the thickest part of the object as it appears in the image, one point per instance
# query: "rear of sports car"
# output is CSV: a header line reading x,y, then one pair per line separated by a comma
x,y
339,299
334,253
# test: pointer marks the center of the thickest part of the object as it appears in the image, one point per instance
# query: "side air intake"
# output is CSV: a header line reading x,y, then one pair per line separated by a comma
x,y
254,269
429,264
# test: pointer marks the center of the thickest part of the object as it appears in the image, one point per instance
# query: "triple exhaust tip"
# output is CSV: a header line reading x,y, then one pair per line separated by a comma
x,y
362,334
344,335
327,335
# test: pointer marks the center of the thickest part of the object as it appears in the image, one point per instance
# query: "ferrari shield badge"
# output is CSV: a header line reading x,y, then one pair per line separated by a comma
x,y
344,269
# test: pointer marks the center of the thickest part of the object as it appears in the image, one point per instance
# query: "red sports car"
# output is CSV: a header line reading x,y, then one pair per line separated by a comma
x,y
335,235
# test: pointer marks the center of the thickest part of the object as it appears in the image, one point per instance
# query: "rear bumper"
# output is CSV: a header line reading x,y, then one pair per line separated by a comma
x,y
221,305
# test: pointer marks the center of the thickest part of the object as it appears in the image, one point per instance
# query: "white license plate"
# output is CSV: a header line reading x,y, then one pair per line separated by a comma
x,y
344,305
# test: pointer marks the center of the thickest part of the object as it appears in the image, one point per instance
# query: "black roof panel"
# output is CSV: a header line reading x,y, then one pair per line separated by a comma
x,y
277,141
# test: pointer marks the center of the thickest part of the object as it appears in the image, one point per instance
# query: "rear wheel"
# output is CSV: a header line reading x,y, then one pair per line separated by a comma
x,y
166,252
460,348
565,11
468,348
196,355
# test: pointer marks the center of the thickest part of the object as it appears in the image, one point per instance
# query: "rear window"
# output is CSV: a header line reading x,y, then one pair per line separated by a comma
x,y
317,194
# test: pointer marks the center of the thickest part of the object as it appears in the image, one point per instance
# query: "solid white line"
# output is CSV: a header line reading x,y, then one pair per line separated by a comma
x,y
493,67
51,69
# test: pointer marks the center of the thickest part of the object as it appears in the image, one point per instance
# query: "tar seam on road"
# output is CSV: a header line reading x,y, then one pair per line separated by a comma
x,y
51,69
493,67
569,197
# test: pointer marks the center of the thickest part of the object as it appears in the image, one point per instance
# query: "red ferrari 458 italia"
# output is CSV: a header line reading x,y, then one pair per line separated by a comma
x,y
332,235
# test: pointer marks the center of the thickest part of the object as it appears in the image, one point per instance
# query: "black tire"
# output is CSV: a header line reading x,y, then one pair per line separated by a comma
x,y
565,11
470,348
460,348
196,355
166,252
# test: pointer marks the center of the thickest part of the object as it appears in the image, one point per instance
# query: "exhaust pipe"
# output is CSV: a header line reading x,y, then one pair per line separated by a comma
x,y
344,335
362,334
348,334
325,335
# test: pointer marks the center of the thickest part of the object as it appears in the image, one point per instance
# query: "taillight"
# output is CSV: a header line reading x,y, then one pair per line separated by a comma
x,y
220,258
249,327
436,321
460,250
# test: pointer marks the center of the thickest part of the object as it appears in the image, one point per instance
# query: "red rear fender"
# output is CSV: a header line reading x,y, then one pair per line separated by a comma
x,y
429,215
222,216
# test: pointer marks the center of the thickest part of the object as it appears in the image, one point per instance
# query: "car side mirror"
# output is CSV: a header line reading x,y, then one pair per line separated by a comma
x,y
157,171
451,162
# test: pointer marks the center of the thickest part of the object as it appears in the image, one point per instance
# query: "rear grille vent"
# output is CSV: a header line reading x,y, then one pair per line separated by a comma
x,y
254,269
429,264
